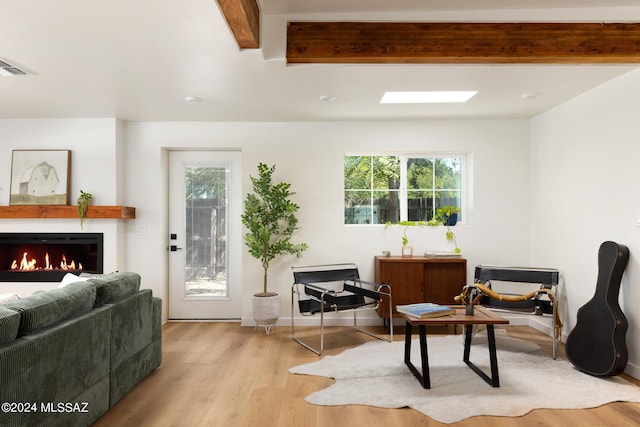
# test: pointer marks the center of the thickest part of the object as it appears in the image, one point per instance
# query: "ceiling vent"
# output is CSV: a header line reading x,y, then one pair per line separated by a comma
x,y
7,69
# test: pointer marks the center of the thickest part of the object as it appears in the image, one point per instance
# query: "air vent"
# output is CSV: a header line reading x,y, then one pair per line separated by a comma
x,y
7,69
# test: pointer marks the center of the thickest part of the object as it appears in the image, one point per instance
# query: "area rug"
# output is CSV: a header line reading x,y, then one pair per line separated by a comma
x,y
374,374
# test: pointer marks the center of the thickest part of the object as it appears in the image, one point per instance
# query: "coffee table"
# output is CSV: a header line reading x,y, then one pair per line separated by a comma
x,y
480,316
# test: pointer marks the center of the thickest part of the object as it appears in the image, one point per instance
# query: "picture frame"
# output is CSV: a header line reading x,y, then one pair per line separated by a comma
x,y
40,177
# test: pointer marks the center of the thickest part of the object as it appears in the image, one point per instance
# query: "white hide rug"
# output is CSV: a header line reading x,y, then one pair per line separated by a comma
x,y
374,374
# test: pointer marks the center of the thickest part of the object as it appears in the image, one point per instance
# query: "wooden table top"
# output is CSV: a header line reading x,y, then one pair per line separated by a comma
x,y
481,316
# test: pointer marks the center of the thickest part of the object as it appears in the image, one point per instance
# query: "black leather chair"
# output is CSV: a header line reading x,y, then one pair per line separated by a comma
x,y
542,301
335,288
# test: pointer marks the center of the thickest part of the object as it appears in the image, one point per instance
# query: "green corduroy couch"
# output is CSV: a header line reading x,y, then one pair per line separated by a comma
x,y
68,355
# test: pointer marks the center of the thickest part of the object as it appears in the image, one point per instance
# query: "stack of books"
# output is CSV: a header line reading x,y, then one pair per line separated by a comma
x,y
442,255
425,310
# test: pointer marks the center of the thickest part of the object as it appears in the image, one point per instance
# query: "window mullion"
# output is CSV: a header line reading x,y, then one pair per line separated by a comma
x,y
371,192
404,204
434,186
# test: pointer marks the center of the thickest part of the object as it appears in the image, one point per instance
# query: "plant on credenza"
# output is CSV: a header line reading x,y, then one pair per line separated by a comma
x,y
447,216
270,217
407,251
83,205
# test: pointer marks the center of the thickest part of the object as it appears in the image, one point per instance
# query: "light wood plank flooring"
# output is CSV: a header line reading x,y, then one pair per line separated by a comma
x,y
222,374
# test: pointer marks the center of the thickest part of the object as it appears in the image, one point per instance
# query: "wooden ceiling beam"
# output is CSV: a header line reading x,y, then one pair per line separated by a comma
x,y
462,43
243,18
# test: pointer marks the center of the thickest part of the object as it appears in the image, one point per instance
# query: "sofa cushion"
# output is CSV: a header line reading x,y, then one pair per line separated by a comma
x,y
133,355
9,323
114,287
48,308
67,362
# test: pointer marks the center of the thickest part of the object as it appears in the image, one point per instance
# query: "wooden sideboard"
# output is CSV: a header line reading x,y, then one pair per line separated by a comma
x,y
420,279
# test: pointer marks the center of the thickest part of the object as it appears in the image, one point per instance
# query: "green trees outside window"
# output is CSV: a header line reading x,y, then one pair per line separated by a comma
x,y
382,189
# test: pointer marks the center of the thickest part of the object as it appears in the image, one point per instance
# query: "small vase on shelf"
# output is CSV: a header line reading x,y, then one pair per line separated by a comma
x,y
407,251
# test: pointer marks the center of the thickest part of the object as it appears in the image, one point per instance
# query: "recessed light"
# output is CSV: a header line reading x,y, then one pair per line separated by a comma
x,y
193,99
327,98
530,95
423,97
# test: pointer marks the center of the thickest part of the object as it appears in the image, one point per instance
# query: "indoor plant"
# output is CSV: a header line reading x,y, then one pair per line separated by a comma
x,y
447,216
407,251
270,217
83,205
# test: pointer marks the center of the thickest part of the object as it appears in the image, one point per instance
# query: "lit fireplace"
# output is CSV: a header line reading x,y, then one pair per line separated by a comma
x,y
47,257
31,264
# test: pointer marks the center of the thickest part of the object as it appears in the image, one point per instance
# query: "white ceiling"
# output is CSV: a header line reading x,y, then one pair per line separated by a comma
x,y
138,60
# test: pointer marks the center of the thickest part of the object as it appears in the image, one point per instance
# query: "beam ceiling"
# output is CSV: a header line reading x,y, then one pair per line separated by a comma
x,y
463,43
243,18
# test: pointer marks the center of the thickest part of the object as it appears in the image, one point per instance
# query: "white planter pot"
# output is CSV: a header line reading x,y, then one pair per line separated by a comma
x,y
266,311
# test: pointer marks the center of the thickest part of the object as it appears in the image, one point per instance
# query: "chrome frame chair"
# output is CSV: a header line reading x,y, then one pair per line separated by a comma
x,y
547,278
314,293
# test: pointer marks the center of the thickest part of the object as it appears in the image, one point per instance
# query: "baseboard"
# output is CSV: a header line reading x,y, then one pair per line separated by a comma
x,y
203,320
543,324
540,323
331,320
633,370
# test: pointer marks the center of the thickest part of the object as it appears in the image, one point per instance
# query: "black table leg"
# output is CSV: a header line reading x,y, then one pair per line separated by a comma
x,y
423,377
494,379
407,343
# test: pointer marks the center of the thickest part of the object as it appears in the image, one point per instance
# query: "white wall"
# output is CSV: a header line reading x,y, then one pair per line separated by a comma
x,y
125,163
546,192
544,203
584,157
94,168
310,156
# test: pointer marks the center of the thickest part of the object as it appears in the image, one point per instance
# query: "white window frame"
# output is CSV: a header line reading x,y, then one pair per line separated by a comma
x,y
465,165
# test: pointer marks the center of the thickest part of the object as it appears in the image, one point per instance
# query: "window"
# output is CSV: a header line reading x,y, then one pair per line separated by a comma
x,y
380,189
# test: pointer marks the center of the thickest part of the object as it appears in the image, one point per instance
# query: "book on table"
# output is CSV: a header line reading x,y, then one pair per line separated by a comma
x,y
425,310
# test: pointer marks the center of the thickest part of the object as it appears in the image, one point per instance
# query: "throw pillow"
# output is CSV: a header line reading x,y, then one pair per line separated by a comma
x,y
70,278
7,298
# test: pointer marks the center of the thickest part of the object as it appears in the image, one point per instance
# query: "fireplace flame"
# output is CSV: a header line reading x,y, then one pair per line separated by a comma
x,y
27,264
72,266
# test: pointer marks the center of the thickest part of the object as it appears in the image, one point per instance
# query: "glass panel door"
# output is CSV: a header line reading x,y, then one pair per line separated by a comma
x,y
206,230
205,235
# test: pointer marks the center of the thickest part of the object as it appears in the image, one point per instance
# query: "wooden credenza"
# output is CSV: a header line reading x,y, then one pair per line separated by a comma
x,y
420,279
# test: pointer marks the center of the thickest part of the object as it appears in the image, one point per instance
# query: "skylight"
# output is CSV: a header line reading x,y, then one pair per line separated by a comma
x,y
425,97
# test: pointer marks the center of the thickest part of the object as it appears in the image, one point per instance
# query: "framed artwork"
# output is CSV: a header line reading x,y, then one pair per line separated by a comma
x,y
40,177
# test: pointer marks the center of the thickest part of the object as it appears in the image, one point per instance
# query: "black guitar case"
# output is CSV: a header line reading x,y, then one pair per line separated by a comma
x,y
597,344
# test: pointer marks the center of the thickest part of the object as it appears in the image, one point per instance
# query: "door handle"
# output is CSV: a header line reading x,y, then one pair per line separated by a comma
x,y
174,248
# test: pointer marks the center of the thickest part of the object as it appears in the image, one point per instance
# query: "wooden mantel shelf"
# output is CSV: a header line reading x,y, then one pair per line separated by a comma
x,y
58,211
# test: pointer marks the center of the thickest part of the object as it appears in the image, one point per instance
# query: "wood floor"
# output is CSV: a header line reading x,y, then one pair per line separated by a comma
x,y
222,374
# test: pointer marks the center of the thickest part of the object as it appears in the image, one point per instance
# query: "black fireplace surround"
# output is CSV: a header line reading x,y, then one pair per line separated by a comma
x,y
66,253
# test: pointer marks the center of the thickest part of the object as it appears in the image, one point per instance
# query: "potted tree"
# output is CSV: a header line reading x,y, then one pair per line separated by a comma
x,y
270,217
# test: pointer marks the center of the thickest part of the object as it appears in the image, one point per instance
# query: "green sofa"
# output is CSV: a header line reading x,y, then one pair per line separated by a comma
x,y
68,355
